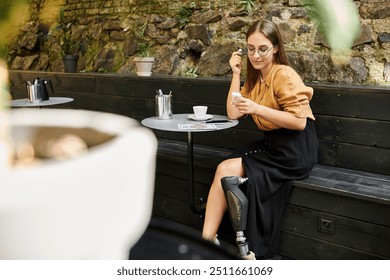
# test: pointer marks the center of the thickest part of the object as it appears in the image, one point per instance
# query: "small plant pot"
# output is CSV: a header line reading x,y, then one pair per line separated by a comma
x,y
144,65
70,63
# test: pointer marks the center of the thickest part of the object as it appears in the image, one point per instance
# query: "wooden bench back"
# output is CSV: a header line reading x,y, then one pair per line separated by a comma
x,y
353,122
353,125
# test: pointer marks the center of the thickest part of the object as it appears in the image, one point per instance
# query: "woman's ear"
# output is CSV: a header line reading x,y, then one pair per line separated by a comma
x,y
275,49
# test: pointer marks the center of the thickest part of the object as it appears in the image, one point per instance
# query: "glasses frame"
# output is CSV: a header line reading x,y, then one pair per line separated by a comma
x,y
258,51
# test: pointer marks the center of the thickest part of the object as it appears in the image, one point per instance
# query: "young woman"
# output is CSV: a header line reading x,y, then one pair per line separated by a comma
x,y
278,101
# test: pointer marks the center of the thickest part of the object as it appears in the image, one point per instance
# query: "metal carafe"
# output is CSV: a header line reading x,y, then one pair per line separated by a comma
x,y
37,90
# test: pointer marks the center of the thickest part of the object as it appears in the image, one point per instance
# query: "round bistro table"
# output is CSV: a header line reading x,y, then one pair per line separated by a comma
x,y
51,101
182,123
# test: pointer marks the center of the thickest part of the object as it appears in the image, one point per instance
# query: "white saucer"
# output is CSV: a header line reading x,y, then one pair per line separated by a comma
x,y
206,117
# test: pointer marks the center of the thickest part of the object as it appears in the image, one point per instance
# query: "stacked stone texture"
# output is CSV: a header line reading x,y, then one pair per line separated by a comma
x,y
203,41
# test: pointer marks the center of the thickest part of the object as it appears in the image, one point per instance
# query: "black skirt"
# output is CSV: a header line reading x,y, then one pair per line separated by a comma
x,y
271,165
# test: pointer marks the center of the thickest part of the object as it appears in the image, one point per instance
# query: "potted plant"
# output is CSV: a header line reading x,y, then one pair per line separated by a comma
x,y
70,47
82,190
144,62
71,50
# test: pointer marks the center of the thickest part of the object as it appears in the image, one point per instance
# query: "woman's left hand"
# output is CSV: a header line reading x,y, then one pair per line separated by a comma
x,y
281,118
245,106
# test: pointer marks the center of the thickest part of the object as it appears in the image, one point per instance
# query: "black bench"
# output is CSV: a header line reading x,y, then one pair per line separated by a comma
x,y
336,213
340,212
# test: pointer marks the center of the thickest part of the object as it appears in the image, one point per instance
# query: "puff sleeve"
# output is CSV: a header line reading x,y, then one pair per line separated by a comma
x,y
292,94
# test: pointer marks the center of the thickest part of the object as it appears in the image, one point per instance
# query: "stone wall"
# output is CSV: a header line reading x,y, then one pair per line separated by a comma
x,y
197,37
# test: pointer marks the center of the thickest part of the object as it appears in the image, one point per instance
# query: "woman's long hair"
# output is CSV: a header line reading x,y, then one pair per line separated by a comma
x,y
271,31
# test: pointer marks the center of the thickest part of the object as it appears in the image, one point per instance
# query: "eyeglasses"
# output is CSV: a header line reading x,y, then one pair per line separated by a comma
x,y
260,52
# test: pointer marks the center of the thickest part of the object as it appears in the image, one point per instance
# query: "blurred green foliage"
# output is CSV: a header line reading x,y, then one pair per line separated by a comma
x,y
185,12
247,5
11,13
337,20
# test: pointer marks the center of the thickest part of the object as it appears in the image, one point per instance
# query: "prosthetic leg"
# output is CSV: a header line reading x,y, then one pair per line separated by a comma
x,y
238,211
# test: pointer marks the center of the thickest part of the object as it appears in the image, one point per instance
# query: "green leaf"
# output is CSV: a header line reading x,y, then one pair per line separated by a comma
x,y
338,21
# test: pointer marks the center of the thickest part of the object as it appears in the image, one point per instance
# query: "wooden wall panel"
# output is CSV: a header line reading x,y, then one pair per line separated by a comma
x,y
349,233
302,247
354,102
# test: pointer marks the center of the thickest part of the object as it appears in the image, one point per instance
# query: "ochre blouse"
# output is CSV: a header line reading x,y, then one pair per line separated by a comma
x,y
282,90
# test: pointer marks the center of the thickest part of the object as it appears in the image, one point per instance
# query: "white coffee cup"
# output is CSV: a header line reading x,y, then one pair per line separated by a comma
x,y
200,111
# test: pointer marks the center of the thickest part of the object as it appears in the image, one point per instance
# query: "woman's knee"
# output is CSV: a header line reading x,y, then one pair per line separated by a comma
x,y
230,167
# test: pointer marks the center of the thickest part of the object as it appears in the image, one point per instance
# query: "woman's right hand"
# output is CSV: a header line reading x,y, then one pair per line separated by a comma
x,y
236,62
